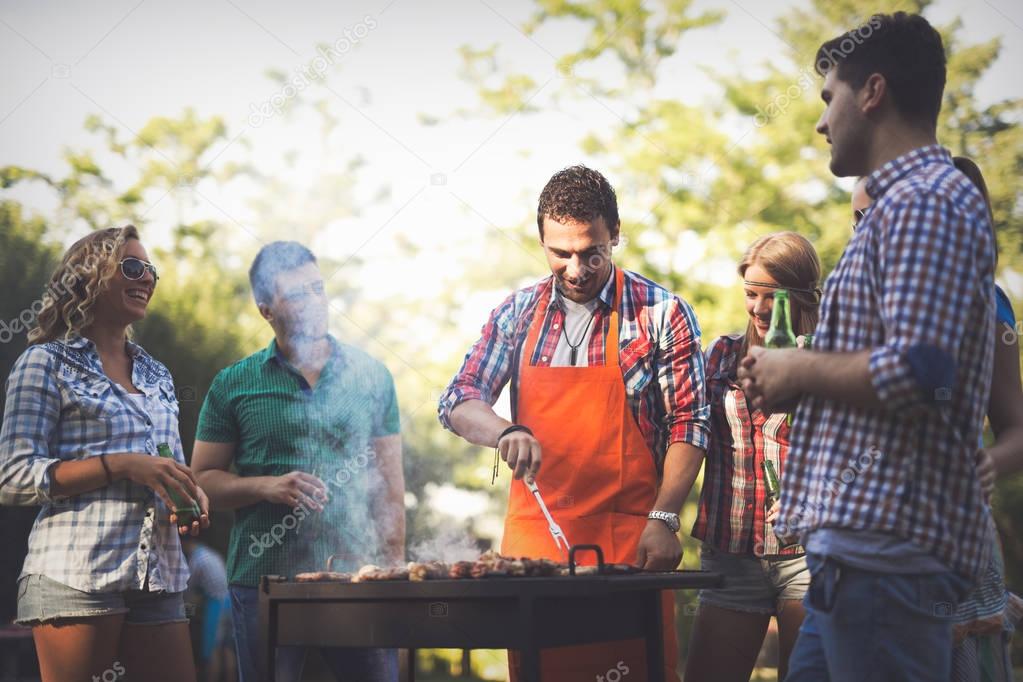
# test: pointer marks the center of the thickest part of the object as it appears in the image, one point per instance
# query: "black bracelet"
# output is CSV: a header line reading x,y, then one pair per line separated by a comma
x,y
497,453
106,469
512,429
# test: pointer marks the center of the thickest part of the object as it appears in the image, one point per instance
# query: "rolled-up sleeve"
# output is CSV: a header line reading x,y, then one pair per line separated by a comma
x,y
925,297
487,366
681,377
30,419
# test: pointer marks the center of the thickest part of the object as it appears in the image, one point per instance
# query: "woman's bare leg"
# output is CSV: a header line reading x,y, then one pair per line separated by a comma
x,y
72,650
724,644
157,653
790,618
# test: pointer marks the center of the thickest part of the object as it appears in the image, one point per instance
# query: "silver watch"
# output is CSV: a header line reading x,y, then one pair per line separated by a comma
x,y
670,520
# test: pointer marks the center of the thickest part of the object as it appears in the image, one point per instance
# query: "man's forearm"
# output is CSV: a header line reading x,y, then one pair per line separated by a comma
x,y
228,490
681,466
476,421
841,377
389,507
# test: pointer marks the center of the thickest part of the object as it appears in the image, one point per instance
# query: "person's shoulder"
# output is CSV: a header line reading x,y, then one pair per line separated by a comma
x,y
358,360
240,369
936,184
723,351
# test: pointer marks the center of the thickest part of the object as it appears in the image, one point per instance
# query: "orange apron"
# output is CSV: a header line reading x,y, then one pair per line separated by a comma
x,y
599,480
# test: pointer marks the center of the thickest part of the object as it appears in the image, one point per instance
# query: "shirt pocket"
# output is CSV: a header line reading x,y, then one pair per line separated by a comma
x,y
167,398
636,360
94,398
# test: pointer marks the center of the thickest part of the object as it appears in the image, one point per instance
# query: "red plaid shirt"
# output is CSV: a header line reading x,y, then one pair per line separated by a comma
x,y
659,352
732,510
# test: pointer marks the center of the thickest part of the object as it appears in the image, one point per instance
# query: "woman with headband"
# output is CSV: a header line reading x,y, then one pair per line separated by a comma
x,y
763,579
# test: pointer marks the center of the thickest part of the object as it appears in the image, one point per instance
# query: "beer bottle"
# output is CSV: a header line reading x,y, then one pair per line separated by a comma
x,y
780,334
187,512
772,493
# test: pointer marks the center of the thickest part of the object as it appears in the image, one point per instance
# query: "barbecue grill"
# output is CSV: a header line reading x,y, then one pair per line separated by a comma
x,y
526,614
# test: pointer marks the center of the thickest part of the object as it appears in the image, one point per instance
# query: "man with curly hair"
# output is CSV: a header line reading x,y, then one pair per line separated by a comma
x,y
607,392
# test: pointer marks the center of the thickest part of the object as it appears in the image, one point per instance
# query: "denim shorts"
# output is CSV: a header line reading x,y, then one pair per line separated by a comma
x,y
753,584
42,600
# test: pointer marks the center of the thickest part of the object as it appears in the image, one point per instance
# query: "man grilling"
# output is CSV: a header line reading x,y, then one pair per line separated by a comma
x,y
607,394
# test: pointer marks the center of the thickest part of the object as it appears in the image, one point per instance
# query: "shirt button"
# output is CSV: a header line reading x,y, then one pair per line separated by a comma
x,y
556,325
544,358
142,546
749,506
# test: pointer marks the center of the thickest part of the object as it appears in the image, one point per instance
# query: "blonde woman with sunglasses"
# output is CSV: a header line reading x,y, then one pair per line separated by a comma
x,y
86,412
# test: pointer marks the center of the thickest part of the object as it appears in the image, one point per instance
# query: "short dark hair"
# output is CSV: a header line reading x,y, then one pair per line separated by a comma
x,y
270,262
581,194
905,49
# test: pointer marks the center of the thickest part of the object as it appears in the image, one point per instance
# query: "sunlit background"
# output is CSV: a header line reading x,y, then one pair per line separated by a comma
x,y
406,143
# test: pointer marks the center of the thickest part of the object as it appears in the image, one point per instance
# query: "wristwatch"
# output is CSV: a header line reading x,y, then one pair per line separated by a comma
x,y
670,520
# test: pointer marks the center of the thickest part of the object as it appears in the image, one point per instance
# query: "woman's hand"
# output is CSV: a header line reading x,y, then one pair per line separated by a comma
x,y
163,476
203,522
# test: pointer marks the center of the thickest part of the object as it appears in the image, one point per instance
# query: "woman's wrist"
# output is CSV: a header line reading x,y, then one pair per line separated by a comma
x,y
119,466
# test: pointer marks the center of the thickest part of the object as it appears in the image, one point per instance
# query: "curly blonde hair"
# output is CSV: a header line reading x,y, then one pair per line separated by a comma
x,y
85,271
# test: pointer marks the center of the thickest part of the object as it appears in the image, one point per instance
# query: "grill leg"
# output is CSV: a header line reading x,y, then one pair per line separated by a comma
x,y
267,632
407,665
530,652
654,637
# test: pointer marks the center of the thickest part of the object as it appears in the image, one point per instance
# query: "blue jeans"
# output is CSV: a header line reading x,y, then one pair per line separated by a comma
x,y
347,665
861,625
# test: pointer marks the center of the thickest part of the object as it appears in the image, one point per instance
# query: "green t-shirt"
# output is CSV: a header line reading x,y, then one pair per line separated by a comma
x,y
279,425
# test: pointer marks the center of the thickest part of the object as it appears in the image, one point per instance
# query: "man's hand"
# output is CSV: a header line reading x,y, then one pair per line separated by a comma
x,y
768,378
522,453
297,489
659,548
986,472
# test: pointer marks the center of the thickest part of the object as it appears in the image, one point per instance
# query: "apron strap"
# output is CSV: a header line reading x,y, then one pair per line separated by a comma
x,y
540,313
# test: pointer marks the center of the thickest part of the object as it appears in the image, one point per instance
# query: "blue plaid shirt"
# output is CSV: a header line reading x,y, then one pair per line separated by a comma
x,y
62,407
915,287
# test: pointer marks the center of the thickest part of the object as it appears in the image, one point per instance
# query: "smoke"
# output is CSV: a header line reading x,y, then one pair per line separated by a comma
x,y
451,545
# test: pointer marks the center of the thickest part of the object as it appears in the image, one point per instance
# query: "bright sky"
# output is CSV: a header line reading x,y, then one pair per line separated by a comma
x,y
395,60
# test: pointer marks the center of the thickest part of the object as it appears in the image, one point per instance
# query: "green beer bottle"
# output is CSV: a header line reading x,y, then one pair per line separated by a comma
x,y
780,334
185,511
772,493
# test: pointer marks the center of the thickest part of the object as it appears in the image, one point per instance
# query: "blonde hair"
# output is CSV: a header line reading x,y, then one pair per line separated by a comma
x,y
85,271
792,262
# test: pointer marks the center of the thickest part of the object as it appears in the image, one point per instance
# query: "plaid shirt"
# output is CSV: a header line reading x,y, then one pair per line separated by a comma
x,y
62,407
659,353
915,287
733,499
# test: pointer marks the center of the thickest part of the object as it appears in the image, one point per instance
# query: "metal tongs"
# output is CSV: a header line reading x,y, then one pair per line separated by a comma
x,y
559,536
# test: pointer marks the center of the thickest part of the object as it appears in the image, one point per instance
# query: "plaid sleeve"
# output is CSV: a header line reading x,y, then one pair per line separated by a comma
x,y
487,366
925,296
217,423
681,376
30,420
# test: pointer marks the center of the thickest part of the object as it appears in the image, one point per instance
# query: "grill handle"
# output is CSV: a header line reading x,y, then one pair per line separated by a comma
x,y
594,548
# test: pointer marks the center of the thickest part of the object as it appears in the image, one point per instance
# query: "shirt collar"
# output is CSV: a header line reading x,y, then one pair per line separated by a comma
x,y
887,175
606,295
78,342
273,351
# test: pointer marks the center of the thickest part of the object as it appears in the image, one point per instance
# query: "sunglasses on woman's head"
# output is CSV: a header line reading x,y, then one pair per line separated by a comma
x,y
135,268
858,216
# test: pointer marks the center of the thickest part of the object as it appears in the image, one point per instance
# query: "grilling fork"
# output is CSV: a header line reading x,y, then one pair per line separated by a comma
x,y
559,536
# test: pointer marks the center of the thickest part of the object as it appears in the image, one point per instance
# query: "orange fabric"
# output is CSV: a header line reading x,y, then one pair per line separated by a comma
x,y
599,480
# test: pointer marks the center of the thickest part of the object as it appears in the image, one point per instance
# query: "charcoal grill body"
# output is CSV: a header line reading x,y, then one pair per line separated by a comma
x,y
526,614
